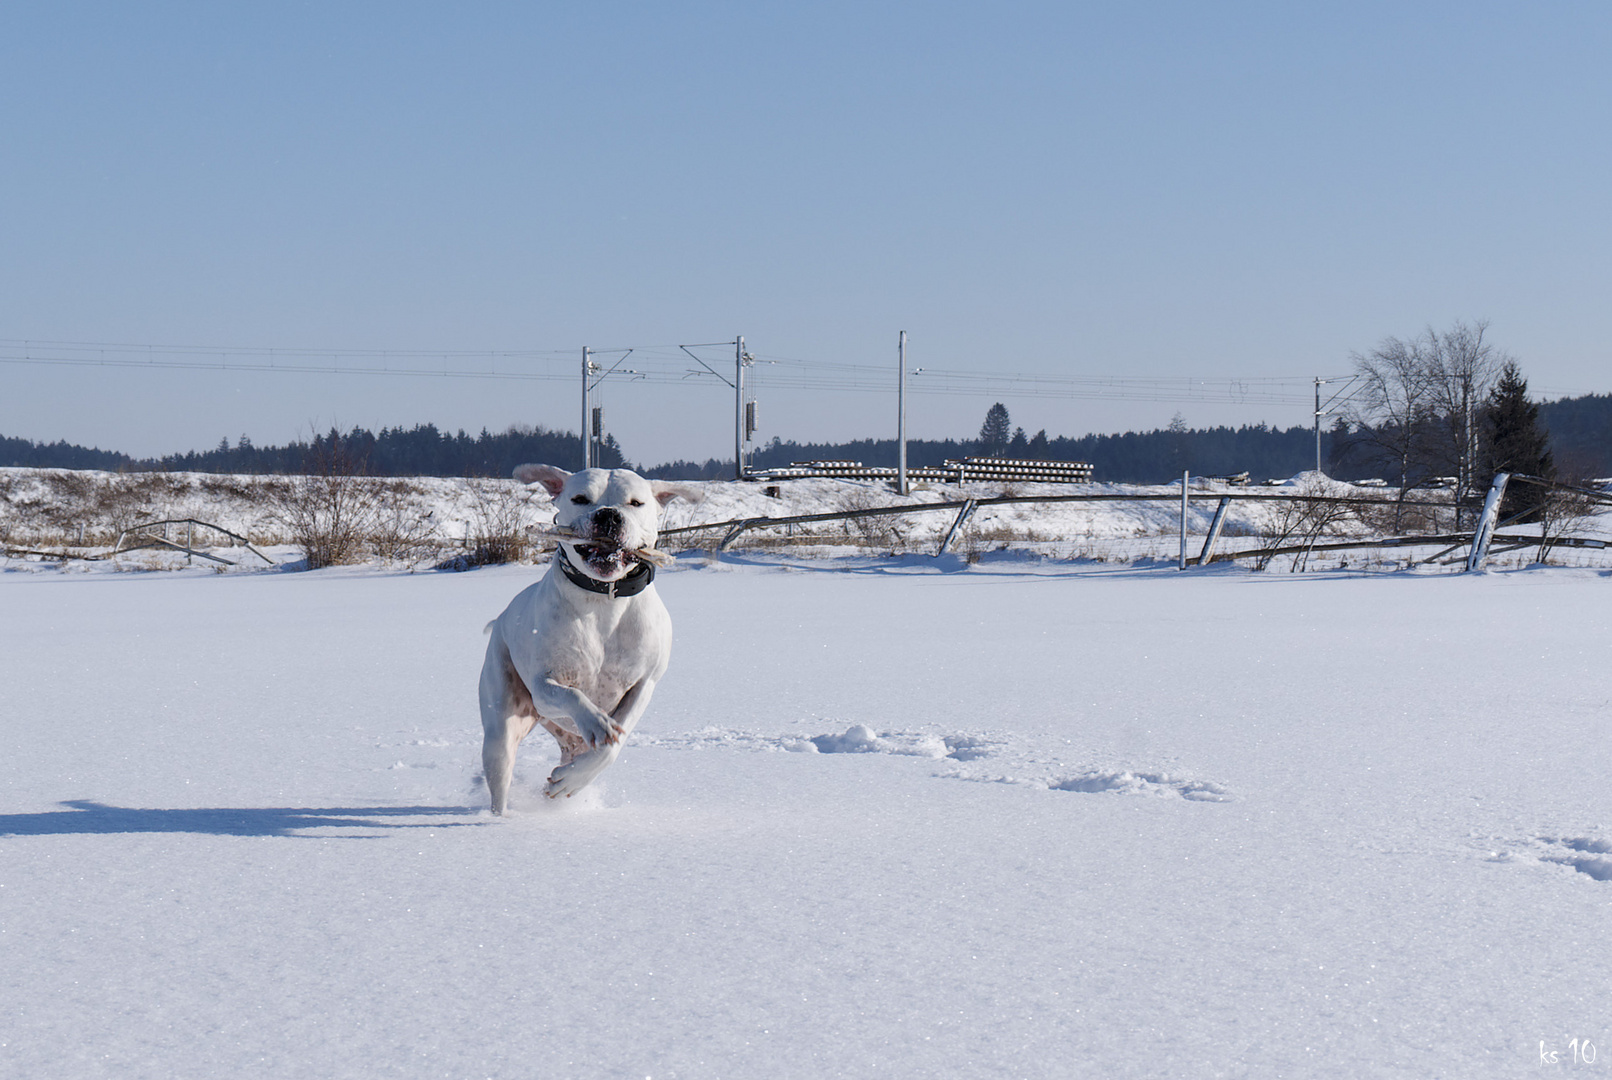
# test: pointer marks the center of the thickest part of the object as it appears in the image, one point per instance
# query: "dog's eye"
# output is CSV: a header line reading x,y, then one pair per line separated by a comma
x,y
637,502
580,500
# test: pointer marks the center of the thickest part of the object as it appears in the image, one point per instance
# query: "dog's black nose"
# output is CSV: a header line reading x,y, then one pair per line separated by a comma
x,y
607,521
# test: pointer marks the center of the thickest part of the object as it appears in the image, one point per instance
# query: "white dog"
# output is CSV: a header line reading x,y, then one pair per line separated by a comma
x,y
579,652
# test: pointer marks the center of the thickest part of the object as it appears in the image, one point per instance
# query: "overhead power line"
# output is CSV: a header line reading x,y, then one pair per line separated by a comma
x,y
662,364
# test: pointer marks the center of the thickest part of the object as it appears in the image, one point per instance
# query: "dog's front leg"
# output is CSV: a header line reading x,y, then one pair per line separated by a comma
x,y
577,774
596,726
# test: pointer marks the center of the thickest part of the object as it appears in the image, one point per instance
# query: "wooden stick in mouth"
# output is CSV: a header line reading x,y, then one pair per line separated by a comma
x,y
556,532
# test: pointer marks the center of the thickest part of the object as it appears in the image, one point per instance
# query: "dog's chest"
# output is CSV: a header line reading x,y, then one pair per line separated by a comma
x,y
604,657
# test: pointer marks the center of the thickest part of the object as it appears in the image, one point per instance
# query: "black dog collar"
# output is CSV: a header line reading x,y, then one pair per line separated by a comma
x,y
635,582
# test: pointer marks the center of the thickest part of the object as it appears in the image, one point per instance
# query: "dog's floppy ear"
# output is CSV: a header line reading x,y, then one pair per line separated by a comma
x,y
665,492
551,478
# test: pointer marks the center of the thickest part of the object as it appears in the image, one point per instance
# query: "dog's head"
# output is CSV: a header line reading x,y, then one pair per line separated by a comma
x,y
614,512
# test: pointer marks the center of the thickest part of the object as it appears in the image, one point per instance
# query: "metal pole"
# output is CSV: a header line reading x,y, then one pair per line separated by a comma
x,y
1183,563
1317,425
1468,458
901,416
587,443
738,409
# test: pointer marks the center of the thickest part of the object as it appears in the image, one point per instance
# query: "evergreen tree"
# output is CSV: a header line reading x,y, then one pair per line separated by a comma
x,y
1514,442
1179,434
1340,447
996,431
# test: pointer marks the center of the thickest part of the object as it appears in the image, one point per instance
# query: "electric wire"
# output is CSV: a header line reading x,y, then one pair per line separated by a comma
x,y
659,364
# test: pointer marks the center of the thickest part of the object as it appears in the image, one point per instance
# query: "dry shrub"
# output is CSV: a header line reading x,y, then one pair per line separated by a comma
x,y
331,512
874,531
497,525
249,493
125,501
328,517
1390,518
1303,520
402,533
1562,512
77,505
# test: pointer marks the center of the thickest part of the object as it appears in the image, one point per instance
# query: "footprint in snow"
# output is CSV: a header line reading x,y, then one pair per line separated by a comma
x,y
1031,768
857,739
1110,782
1587,855
1582,853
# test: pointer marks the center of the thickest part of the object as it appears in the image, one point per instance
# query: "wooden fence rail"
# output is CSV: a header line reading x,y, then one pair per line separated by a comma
x,y
143,537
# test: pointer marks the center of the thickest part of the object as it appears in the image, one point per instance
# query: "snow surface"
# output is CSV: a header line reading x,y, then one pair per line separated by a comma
x,y
900,817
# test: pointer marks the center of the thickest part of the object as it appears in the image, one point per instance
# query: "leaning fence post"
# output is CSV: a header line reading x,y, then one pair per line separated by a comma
x,y
733,533
1214,530
962,517
1485,528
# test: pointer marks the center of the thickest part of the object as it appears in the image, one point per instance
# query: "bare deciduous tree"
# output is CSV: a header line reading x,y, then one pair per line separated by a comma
x,y
1389,408
1420,403
1461,368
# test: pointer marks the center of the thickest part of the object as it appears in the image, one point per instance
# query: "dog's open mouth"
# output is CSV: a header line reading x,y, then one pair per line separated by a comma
x,y
604,558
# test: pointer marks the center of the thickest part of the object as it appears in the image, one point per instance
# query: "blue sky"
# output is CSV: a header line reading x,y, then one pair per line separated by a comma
x,y
1180,191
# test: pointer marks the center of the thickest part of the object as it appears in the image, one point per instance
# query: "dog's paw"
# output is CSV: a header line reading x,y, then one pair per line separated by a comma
x,y
597,734
566,780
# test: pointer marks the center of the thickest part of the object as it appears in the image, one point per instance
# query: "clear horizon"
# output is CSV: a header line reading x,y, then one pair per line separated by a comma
x,y
1252,192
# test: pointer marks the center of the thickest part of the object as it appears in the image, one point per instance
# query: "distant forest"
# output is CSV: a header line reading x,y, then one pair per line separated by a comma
x,y
1135,457
1580,431
418,451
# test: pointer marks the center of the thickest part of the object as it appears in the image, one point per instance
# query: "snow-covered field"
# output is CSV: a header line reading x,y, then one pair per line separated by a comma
x,y
897,817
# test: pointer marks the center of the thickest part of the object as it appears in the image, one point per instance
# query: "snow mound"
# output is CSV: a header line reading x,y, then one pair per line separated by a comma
x,y
861,739
1129,783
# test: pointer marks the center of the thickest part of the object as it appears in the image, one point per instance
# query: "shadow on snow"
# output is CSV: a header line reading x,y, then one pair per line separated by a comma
x,y
88,817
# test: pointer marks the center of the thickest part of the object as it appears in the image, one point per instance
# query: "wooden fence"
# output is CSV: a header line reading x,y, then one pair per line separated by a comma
x,y
733,529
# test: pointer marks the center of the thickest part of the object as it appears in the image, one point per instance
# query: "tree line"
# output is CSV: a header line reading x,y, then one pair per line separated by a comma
x,y
1444,404
422,450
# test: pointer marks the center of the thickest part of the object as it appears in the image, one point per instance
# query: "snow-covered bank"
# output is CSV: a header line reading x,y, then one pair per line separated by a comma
x,y
1027,819
420,521
53,505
